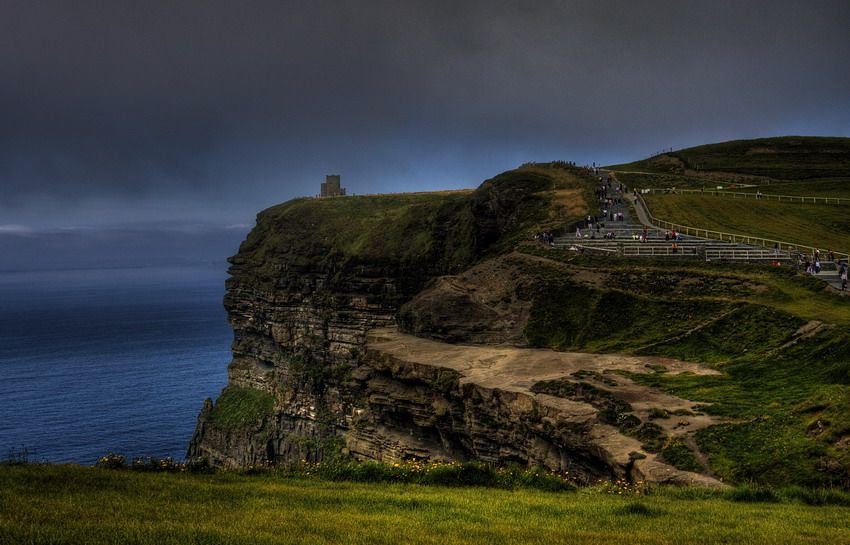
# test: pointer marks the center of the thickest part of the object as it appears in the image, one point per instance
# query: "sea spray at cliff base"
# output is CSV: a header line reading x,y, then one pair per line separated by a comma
x,y
115,360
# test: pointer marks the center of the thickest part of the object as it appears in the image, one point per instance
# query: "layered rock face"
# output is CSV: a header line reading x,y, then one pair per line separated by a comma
x,y
298,341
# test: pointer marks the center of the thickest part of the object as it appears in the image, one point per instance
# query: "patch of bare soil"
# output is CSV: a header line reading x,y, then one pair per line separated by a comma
x,y
742,180
809,329
566,203
590,277
757,150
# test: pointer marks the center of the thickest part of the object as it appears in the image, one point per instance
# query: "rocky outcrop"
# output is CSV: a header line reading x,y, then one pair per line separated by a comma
x,y
486,304
428,399
298,339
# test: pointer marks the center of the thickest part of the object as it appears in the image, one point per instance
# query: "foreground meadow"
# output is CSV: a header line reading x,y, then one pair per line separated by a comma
x,y
75,504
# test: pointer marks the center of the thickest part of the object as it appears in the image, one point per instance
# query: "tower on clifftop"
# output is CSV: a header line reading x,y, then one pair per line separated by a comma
x,y
331,186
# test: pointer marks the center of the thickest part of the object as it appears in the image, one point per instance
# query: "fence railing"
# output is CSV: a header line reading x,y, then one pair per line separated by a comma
x,y
742,195
785,246
659,250
645,249
743,254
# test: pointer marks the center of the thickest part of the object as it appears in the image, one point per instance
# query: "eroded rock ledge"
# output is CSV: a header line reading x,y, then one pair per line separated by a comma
x,y
433,400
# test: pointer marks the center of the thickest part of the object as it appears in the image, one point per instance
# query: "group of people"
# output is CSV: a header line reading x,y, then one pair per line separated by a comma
x,y
812,264
605,188
546,237
842,274
603,193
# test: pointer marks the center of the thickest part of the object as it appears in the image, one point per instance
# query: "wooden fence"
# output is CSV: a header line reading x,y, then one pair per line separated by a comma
x,y
742,195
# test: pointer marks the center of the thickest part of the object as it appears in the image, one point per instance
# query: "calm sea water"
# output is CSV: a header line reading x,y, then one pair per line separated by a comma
x,y
105,361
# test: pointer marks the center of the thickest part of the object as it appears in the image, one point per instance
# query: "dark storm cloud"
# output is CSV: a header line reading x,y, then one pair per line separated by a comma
x,y
242,104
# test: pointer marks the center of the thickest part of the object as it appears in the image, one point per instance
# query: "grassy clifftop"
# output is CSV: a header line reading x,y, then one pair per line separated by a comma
x,y
446,230
781,158
406,227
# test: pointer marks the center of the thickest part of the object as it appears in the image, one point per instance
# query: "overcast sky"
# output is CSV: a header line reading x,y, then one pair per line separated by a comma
x,y
173,116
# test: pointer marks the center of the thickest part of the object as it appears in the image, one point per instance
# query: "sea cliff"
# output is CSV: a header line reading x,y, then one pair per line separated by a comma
x,y
317,275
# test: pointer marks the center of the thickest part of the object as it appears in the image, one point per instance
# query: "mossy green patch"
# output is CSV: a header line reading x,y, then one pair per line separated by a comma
x,y
743,330
239,407
598,377
598,397
680,455
568,316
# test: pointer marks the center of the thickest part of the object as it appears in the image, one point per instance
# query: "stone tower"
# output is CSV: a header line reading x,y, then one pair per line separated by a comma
x,y
331,186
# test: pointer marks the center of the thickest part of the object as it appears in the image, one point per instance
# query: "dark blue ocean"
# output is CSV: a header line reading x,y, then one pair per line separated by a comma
x,y
100,361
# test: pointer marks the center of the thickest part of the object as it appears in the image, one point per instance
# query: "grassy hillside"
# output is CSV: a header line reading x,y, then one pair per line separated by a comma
x,y
823,226
780,339
782,158
73,504
822,187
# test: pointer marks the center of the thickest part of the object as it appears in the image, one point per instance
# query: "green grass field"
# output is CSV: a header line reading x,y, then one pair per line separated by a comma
x,y
781,158
68,504
823,226
824,187
828,187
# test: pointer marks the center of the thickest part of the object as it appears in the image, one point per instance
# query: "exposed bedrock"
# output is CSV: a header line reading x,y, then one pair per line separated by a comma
x,y
428,399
